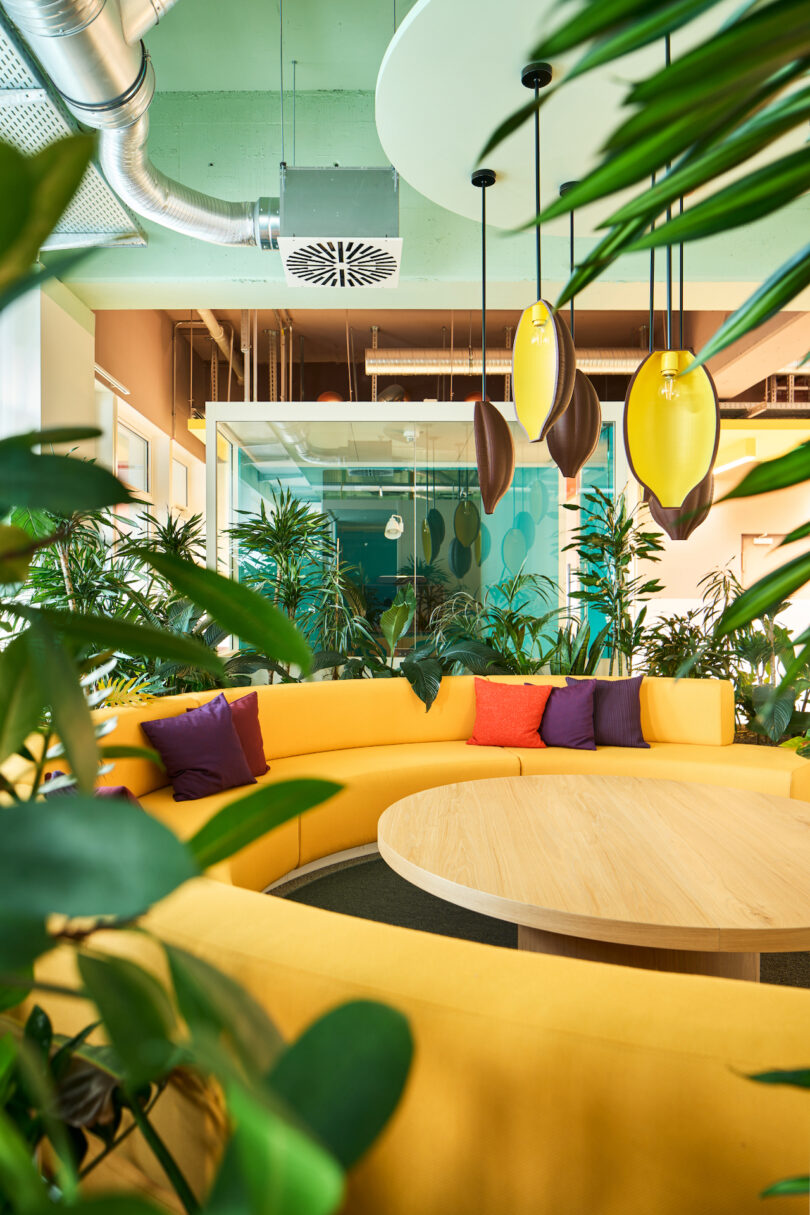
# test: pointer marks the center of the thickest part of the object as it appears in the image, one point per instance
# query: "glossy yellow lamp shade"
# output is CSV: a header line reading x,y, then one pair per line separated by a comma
x,y
671,425
543,366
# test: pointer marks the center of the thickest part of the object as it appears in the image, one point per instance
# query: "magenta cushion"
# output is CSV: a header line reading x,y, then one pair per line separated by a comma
x,y
568,719
245,716
616,712
201,751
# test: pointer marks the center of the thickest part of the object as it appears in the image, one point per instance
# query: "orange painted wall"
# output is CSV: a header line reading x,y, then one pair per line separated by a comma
x,y
136,347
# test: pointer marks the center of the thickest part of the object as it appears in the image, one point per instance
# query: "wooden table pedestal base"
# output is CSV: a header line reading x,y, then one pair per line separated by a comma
x,y
683,961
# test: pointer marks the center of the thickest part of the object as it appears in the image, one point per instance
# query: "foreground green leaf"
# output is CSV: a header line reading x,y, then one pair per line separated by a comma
x,y
211,1003
20,1179
766,595
241,822
81,856
137,1015
62,484
21,701
774,294
425,677
54,670
795,1077
140,639
791,1185
270,1167
237,608
345,1075
792,468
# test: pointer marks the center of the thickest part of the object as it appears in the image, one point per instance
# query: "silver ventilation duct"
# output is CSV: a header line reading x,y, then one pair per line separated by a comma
x,y
91,50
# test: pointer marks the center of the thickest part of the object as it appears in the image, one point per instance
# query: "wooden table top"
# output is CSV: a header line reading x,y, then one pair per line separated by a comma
x,y
655,863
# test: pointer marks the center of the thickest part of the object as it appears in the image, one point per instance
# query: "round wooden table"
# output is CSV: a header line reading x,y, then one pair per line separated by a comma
x,y
652,873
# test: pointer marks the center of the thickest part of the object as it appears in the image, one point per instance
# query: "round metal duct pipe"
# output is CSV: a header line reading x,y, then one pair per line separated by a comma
x,y
499,362
90,50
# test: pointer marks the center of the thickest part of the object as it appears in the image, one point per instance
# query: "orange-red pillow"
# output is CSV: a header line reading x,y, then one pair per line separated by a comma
x,y
508,714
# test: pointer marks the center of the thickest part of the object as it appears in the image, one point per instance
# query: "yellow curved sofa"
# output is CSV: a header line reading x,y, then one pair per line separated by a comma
x,y
541,1085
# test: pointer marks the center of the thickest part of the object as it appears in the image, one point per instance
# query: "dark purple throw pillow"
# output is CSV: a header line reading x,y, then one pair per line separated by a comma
x,y
568,719
200,750
616,712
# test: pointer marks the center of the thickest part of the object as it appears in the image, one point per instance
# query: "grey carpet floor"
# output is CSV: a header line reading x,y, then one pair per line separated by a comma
x,y
369,889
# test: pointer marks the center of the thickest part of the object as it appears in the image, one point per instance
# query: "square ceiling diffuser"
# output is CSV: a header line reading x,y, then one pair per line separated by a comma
x,y
339,227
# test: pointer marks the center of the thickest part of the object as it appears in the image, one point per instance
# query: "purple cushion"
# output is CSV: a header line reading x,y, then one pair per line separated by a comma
x,y
568,719
617,712
200,750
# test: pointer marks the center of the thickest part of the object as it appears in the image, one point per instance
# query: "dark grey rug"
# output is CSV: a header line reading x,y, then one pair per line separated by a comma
x,y
367,888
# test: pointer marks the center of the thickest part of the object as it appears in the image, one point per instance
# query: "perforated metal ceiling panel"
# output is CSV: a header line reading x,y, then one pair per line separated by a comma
x,y
30,119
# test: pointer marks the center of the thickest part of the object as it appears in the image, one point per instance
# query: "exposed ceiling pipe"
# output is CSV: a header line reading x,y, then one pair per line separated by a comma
x,y
92,53
465,361
220,338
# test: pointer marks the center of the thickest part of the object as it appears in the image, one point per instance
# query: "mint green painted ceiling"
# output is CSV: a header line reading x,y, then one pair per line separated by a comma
x,y
216,127
205,46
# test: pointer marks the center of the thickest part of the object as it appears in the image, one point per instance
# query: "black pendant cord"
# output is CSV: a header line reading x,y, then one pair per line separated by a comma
x,y
483,295
668,61
651,334
680,283
537,236
483,178
564,188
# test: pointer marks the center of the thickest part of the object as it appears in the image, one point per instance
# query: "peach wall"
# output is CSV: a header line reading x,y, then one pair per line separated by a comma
x,y
136,348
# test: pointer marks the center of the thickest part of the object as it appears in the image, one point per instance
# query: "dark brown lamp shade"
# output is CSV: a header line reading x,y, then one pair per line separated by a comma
x,y
680,521
459,558
543,366
494,453
573,438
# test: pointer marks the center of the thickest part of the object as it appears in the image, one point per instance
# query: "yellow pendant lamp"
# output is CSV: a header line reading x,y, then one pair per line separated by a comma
x,y
671,414
543,358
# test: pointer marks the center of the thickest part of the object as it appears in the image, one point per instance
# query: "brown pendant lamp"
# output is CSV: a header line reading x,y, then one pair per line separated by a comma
x,y
680,522
494,446
671,419
543,358
573,438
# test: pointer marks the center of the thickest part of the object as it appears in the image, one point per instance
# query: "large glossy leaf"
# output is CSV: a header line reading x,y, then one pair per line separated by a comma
x,y
755,135
591,21
395,620
115,1204
271,1168
58,483
235,607
54,670
796,1077
22,939
136,1012
765,595
21,700
650,25
769,36
345,1075
140,639
793,468
425,677
798,533
16,195
211,1003
605,252
774,294
53,176
742,202
59,265
790,1185
241,822
21,1183
83,856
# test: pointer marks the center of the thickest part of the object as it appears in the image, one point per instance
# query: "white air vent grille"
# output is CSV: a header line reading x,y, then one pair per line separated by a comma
x,y
30,119
337,262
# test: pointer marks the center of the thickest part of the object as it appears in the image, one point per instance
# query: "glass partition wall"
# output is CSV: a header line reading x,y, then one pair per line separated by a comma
x,y
400,488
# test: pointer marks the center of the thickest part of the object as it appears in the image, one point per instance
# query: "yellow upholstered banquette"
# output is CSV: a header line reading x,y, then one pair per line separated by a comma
x,y
541,1085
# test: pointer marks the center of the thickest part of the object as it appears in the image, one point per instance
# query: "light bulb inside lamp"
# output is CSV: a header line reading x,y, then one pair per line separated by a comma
x,y
668,388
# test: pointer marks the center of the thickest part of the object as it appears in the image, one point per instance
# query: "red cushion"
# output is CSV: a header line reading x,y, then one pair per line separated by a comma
x,y
508,715
245,718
